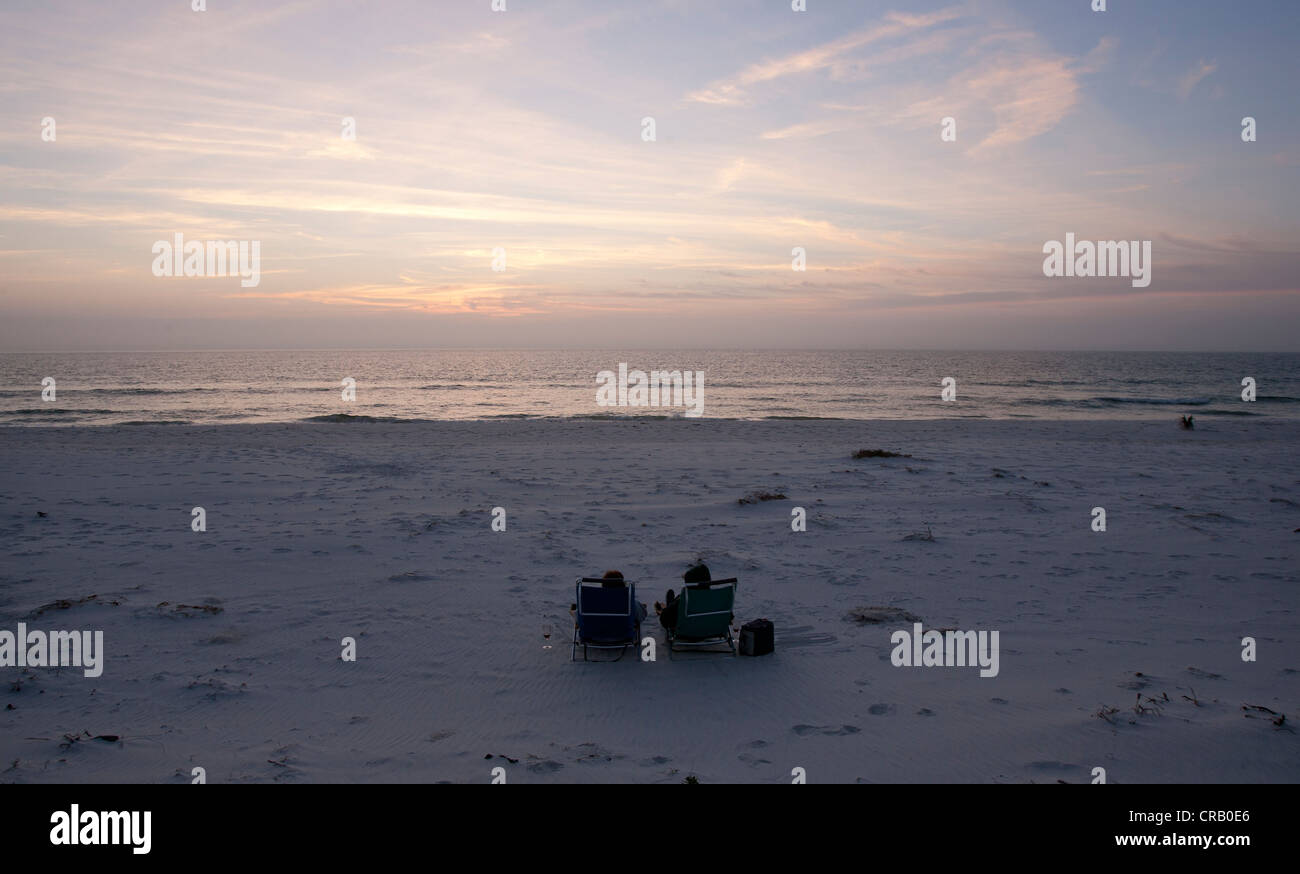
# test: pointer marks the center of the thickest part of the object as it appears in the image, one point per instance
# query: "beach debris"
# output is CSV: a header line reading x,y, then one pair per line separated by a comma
x,y
691,780
1210,517
757,497
927,535
501,756
879,453
41,514
1146,705
1278,719
1153,705
876,615
70,739
68,604
285,757
182,609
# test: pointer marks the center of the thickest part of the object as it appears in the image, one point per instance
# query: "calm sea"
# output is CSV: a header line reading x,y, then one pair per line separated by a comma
x,y
220,387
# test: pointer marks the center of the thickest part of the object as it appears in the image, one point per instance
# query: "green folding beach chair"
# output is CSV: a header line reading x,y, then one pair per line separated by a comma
x,y
704,615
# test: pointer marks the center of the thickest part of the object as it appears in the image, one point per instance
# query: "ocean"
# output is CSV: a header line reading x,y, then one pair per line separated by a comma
x,y
212,387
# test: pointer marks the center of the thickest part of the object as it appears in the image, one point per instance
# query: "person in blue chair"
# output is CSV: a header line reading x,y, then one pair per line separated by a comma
x,y
614,580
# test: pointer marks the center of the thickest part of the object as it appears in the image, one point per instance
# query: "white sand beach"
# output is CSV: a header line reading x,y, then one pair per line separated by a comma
x,y
222,647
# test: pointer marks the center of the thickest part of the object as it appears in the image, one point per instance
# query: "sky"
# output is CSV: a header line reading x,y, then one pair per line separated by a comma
x,y
523,132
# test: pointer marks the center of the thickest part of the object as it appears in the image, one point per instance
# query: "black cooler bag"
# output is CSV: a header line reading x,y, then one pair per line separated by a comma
x,y
757,638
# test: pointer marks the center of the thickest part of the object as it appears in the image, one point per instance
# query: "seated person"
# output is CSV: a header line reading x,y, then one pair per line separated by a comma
x,y
696,576
614,580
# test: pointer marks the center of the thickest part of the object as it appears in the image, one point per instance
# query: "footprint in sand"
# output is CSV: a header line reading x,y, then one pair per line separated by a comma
x,y
803,730
410,577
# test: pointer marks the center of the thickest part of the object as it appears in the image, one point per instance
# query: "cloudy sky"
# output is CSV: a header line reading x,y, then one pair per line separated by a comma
x,y
774,129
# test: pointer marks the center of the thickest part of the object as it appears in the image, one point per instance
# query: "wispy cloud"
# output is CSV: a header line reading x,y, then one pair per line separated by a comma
x,y
1193,77
478,131
834,56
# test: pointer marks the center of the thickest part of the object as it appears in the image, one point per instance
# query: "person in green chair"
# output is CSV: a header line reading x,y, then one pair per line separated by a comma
x,y
698,575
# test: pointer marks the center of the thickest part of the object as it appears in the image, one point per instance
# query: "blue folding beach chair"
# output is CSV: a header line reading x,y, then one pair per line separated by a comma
x,y
607,617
